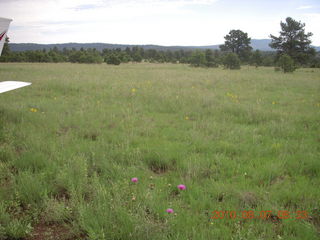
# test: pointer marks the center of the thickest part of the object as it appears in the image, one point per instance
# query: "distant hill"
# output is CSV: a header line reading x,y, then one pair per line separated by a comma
x,y
18,47
260,44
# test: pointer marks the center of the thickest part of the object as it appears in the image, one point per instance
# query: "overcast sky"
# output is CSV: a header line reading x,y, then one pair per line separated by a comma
x,y
162,22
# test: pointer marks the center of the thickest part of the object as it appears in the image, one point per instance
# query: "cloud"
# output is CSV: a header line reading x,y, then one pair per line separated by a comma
x,y
49,21
313,20
45,10
305,7
167,22
85,6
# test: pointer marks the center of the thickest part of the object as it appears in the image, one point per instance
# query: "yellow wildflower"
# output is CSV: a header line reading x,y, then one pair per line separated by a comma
x,y
276,146
133,90
187,118
33,110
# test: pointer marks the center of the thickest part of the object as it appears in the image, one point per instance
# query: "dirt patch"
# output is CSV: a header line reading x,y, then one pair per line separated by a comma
x,y
274,219
158,168
43,231
14,170
161,166
314,218
248,199
220,197
278,179
152,186
154,218
62,194
174,193
91,136
64,130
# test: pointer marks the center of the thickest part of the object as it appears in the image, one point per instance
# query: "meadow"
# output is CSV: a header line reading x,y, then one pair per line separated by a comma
x,y
239,140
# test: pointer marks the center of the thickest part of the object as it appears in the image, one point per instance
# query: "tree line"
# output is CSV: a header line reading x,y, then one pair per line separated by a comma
x,y
197,58
292,50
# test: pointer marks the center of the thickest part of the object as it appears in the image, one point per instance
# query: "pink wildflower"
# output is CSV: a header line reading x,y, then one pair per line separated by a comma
x,y
182,187
134,179
169,210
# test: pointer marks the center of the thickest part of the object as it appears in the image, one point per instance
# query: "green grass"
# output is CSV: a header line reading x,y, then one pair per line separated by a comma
x,y
239,140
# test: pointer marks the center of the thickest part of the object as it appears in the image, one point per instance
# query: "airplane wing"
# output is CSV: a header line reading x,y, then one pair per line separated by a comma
x,y
11,85
7,85
4,26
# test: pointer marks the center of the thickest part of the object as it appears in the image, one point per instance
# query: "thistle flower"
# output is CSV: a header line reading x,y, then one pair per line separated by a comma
x,y
170,210
182,187
134,179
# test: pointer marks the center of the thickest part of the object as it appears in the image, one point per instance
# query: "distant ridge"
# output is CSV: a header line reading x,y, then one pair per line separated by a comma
x,y
260,44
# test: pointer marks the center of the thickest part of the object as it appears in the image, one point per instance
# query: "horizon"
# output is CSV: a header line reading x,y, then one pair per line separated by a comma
x,y
168,23
147,44
124,44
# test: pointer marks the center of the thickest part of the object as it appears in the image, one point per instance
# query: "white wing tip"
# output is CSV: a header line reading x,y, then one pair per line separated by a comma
x,y
11,85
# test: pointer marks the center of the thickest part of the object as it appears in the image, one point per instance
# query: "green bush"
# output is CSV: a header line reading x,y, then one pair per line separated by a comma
x,y
231,61
198,59
113,59
315,62
286,63
211,58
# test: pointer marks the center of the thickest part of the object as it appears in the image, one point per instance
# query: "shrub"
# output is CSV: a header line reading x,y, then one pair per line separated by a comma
x,y
198,59
315,62
286,63
231,61
113,59
211,58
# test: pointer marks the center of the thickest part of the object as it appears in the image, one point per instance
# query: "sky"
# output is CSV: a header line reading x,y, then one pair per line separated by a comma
x,y
160,22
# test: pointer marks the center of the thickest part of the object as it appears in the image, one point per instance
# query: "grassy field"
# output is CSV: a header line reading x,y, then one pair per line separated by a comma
x,y
243,140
